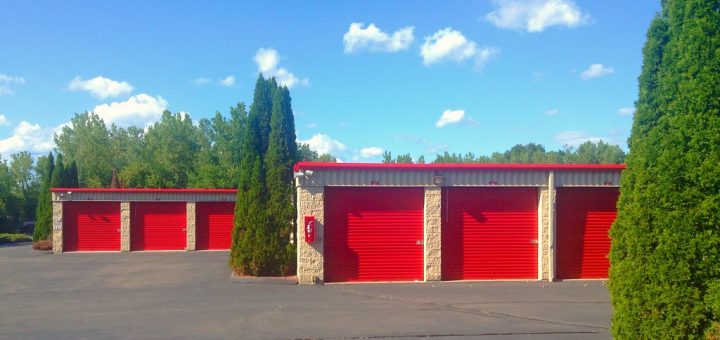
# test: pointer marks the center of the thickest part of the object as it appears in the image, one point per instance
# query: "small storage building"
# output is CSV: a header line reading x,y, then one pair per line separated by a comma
x,y
430,222
87,219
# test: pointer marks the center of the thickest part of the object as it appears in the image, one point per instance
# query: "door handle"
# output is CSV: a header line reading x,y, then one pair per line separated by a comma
x,y
533,241
419,242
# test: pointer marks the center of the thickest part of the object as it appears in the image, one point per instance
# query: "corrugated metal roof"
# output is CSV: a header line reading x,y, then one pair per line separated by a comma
x,y
457,177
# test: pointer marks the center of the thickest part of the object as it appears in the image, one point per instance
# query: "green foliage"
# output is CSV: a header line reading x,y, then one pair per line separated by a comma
x,y
264,209
406,158
305,154
665,256
14,237
43,224
279,160
87,142
588,153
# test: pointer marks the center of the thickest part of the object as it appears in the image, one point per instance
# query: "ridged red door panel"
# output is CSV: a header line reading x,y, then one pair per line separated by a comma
x,y
213,225
489,233
372,234
89,226
583,220
158,226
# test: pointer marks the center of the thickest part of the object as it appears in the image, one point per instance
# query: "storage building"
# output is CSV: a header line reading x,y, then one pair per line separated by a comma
x,y
87,219
431,222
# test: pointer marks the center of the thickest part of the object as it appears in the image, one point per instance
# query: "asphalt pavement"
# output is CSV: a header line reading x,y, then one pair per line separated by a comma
x,y
191,295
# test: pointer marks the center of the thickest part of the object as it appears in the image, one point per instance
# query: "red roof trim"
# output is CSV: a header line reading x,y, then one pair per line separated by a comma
x,y
160,191
475,166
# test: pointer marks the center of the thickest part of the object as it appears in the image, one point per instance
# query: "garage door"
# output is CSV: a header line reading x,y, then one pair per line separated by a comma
x,y
89,226
489,233
158,226
214,224
373,234
584,217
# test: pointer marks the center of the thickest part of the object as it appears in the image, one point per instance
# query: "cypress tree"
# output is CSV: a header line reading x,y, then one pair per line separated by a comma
x,y
60,176
665,256
43,214
282,153
262,108
72,173
252,247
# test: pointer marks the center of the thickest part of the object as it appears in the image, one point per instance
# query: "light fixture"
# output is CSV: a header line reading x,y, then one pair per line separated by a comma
x,y
438,178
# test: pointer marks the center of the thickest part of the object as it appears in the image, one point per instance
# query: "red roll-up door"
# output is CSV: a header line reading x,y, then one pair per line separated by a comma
x,y
583,220
89,226
158,226
373,234
489,233
214,224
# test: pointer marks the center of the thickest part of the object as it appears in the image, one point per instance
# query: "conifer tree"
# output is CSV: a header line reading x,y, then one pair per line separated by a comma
x,y
43,214
281,155
72,174
254,251
665,256
60,176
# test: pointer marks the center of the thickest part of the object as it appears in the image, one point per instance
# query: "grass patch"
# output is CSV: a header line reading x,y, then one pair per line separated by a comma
x,y
14,237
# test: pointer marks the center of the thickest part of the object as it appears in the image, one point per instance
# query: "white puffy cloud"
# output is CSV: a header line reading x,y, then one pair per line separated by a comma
x,y
373,39
100,87
227,81
536,15
268,62
626,111
323,144
452,45
552,112
3,120
575,138
372,151
596,71
450,117
140,110
28,137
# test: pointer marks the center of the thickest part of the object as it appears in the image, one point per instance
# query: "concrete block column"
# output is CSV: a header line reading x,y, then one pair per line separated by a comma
x,y
433,233
544,237
57,227
125,226
190,226
310,256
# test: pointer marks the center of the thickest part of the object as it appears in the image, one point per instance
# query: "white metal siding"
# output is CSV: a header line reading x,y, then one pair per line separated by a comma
x,y
526,178
142,197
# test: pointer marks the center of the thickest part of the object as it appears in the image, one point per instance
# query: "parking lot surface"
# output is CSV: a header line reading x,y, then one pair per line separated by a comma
x,y
191,295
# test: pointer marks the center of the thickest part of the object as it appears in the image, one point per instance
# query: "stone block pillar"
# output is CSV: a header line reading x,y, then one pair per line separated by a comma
x,y
190,226
125,226
57,227
310,256
433,233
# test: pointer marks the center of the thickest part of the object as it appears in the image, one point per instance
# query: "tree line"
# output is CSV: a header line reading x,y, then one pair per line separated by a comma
x,y
586,153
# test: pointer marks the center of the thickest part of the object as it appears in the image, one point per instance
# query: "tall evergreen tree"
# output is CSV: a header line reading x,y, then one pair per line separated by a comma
x,y
59,177
261,108
72,174
43,224
281,155
665,256
254,251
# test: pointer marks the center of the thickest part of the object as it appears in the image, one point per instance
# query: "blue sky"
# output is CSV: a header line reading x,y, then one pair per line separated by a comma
x,y
416,77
